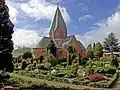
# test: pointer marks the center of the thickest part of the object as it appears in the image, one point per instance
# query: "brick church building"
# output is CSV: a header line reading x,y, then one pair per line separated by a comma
x,y
58,33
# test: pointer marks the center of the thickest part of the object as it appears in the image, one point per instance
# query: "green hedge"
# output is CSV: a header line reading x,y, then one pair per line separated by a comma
x,y
28,84
100,84
42,76
105,83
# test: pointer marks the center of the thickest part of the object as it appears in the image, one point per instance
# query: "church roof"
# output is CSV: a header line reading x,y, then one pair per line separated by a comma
x,y
58,21
58,42
81,45
44,42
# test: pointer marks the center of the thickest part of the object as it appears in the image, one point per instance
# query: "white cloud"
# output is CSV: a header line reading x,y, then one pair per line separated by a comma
x,y
85,17
83,7
26,38
13,12
111,24
40,9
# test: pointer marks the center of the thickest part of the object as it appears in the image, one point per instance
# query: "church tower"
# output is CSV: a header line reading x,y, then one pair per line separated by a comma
x,y
58,29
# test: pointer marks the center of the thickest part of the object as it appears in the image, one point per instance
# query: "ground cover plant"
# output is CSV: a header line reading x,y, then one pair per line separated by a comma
x,y
97,73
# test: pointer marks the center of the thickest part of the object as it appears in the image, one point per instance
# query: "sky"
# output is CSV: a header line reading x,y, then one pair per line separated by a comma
x,y
89,20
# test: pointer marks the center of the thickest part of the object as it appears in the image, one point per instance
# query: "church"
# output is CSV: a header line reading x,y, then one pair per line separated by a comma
x,y
58,33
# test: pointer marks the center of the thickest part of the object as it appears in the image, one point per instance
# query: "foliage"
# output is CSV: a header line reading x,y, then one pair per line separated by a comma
x,y
24,83
104,83
23,64
90,51
111,43
70,54
29,67
51,59
6,43
98,50
51,48
114,62
3,77
26,55
95,77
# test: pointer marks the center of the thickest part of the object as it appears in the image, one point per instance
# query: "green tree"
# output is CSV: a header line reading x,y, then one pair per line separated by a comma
x,y
70,54
26,55
111,43
52,48
98,50
6,43
23,64
51,59
90,51
114,61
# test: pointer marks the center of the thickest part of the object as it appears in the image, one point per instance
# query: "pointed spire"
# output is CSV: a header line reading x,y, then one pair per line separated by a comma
x,y
58,21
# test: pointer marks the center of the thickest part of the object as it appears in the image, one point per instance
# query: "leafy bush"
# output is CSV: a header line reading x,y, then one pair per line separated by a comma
x,y
27,55
30,67
95,77
114,62
40,66
4,76
51,59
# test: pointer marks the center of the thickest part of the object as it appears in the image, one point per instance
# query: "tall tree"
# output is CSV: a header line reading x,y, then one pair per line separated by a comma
x,y
52,48
6,44
70,53
90,51
111,43
98,50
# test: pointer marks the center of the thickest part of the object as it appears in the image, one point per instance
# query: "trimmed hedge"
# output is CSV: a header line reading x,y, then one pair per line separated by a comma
x,y
42,76
28,84
100,84
105,83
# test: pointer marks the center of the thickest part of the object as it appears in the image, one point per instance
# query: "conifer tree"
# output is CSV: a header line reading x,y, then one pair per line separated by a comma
x,y
90,51
6,44
111,43
98,50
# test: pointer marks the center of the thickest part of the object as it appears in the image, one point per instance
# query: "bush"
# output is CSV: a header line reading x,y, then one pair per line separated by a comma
x,y
27,55
23,64
95,77
51,59
30,67
114,62
4,76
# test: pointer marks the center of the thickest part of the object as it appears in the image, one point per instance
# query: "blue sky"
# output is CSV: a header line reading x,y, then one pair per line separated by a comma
x,y
89,20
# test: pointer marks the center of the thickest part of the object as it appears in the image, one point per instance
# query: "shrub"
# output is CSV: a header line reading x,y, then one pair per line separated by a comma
x,y
40,66
4,76
27,55
114,62
51,59
30,67
23,64
95,77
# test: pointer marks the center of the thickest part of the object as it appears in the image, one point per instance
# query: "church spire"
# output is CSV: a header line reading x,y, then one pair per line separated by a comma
x,y
58,28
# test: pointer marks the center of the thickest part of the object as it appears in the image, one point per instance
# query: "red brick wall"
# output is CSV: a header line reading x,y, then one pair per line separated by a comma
x,y
59,33
77,47
40,52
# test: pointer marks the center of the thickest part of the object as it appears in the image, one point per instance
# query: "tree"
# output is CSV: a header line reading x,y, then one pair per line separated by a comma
x,y
70,54
114,61
98,50
111,43
90,51
26,55
52,48
23,65
6,43
51,59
